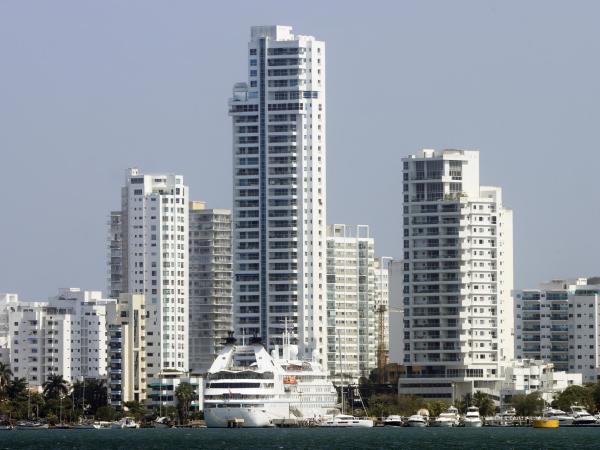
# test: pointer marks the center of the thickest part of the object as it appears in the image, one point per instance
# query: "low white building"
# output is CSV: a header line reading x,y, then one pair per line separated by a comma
x,y
66,335
161,391
526,376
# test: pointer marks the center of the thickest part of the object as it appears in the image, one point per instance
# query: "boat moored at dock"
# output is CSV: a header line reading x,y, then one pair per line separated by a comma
x,y
252,388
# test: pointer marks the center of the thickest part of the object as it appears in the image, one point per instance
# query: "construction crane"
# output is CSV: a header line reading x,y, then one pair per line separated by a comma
x,y
382,350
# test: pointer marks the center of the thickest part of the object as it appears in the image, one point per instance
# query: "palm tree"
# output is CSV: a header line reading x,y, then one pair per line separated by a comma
x,y
55,387
184,394
16,388
484,403
5,376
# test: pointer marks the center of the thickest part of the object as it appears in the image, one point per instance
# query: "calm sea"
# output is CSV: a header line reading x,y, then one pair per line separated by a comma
x,y
307,438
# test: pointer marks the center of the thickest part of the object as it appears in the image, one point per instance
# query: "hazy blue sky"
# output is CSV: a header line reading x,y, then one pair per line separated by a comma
x,y
88,89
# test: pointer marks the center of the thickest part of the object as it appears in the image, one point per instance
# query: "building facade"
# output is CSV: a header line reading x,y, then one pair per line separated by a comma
x,y
382,308
154,254
559,323
162,391
211,281
66,335
115,255
278,126
526,376
7,301
457,276
127,351
351,294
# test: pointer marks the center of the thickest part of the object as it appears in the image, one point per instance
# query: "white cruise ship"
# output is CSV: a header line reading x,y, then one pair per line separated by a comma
x,y
246,386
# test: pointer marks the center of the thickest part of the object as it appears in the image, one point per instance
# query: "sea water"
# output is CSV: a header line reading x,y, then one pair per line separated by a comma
x,y
304,438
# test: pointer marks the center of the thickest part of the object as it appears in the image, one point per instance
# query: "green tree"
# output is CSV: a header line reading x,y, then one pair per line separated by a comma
x,y
595,388
185,394
528,405
382,405
136,409
5,377
106,413
409,404
484,403
16,389
55,387
437,407
576,395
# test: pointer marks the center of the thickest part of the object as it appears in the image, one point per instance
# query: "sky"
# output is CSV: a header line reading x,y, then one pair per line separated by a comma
x,y
89,88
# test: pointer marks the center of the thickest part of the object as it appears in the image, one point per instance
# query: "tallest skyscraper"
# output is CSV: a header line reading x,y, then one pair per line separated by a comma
x,y
279,191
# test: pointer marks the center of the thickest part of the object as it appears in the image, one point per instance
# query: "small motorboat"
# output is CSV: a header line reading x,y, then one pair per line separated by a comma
x,y
581,416
556,414
420,419
393,421
31,425
448,418
161,422
346,421
472,418
126,422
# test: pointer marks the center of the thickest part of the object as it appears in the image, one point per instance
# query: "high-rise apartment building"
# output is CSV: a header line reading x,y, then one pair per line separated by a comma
x,y
396,317
279,219
127,351
559,323
210,284
7,301
66,335
351,293
115,255
151,249
382,306
457,277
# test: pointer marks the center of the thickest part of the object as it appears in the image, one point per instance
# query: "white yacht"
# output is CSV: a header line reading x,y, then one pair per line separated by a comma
x,y
248,387
581,416
557,414
346,421
393,421
125,422
472,418
449,418
420,419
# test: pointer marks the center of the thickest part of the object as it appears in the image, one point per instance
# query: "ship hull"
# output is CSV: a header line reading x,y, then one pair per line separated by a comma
x,y
243,417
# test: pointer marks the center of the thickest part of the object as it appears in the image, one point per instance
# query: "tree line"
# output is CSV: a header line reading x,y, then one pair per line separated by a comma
x,y
61,402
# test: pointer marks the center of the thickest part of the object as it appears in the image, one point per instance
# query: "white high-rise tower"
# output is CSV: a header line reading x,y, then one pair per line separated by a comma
x,y
279,190
154,262
457,277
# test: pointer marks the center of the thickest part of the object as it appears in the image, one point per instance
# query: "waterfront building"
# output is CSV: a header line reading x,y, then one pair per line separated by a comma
x,y
457,278
559,323
210,284
7,301
526,376
351,293
278,127
66,335
153,256
162,391
127,351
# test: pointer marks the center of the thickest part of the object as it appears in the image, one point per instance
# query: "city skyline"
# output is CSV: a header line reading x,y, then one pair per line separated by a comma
x,y
74,224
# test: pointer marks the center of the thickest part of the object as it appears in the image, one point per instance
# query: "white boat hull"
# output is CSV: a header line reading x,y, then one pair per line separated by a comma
x,y
251,417
417,424
363,423
443,423
473,424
